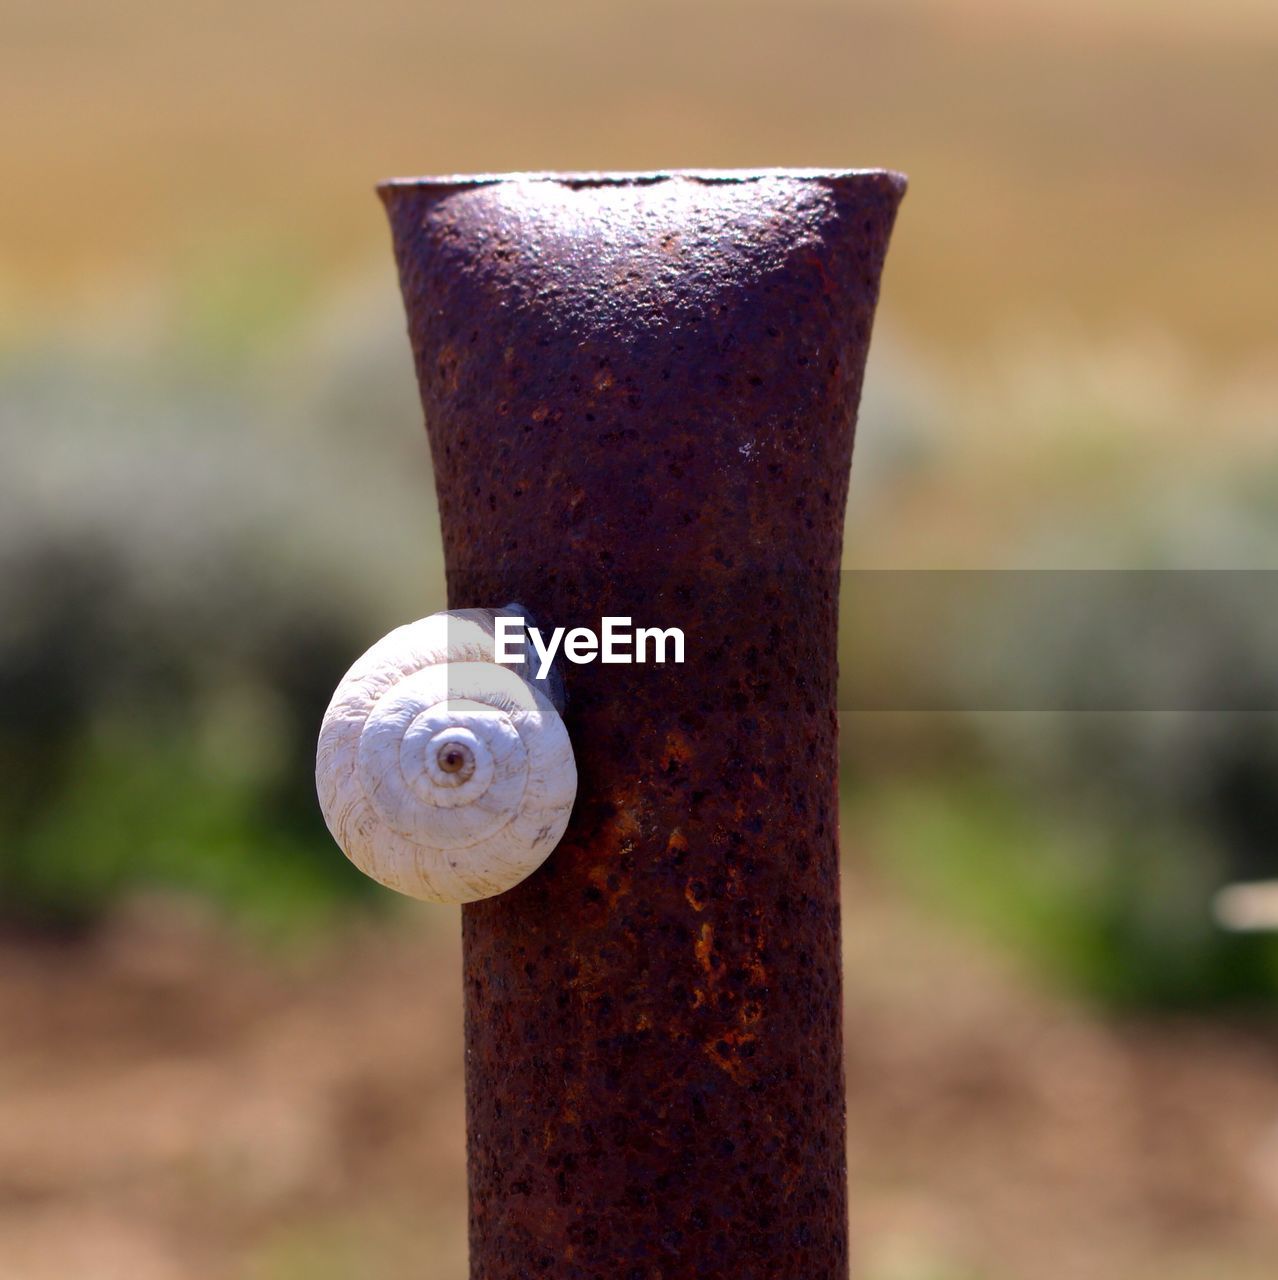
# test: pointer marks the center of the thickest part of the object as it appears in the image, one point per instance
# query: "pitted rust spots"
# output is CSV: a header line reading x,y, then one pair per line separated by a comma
x,y
448,371
610,886
705,951
626,818
677,751
733,999
640,394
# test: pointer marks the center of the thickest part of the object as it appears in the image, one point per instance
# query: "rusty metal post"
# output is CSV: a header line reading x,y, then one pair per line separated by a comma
x,y
640,392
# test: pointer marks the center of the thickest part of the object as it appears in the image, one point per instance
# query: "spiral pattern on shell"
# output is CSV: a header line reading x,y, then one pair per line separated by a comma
x,y
440,773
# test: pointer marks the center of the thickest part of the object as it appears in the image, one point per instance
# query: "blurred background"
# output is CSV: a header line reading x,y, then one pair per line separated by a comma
x,y
223,1053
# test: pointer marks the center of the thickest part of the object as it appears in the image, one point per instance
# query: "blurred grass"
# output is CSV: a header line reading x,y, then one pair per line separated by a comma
x,y
356,1246
1103,168
142,810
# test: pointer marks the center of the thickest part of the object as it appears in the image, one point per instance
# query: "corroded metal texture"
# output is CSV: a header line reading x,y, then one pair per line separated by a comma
x,y
640,392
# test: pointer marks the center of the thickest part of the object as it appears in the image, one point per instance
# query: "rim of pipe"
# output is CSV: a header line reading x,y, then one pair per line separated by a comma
x,y
639,177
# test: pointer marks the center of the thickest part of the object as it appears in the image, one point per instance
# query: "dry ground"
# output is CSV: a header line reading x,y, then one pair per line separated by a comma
x,y
174,1104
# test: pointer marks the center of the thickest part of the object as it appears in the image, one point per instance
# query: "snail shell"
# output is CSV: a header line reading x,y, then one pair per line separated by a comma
x,y
442,774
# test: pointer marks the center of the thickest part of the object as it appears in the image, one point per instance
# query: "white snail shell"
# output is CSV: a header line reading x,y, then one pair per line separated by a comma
x,y
442,774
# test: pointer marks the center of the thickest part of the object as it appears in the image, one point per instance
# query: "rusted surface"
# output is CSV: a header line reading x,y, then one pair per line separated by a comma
x,y
640,393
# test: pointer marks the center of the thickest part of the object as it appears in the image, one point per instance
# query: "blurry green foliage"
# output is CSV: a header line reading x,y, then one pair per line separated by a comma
x,y
189,560
1117,911
141,807
145,745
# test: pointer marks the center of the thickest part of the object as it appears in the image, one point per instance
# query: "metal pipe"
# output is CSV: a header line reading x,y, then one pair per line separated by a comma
x,y
640,393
